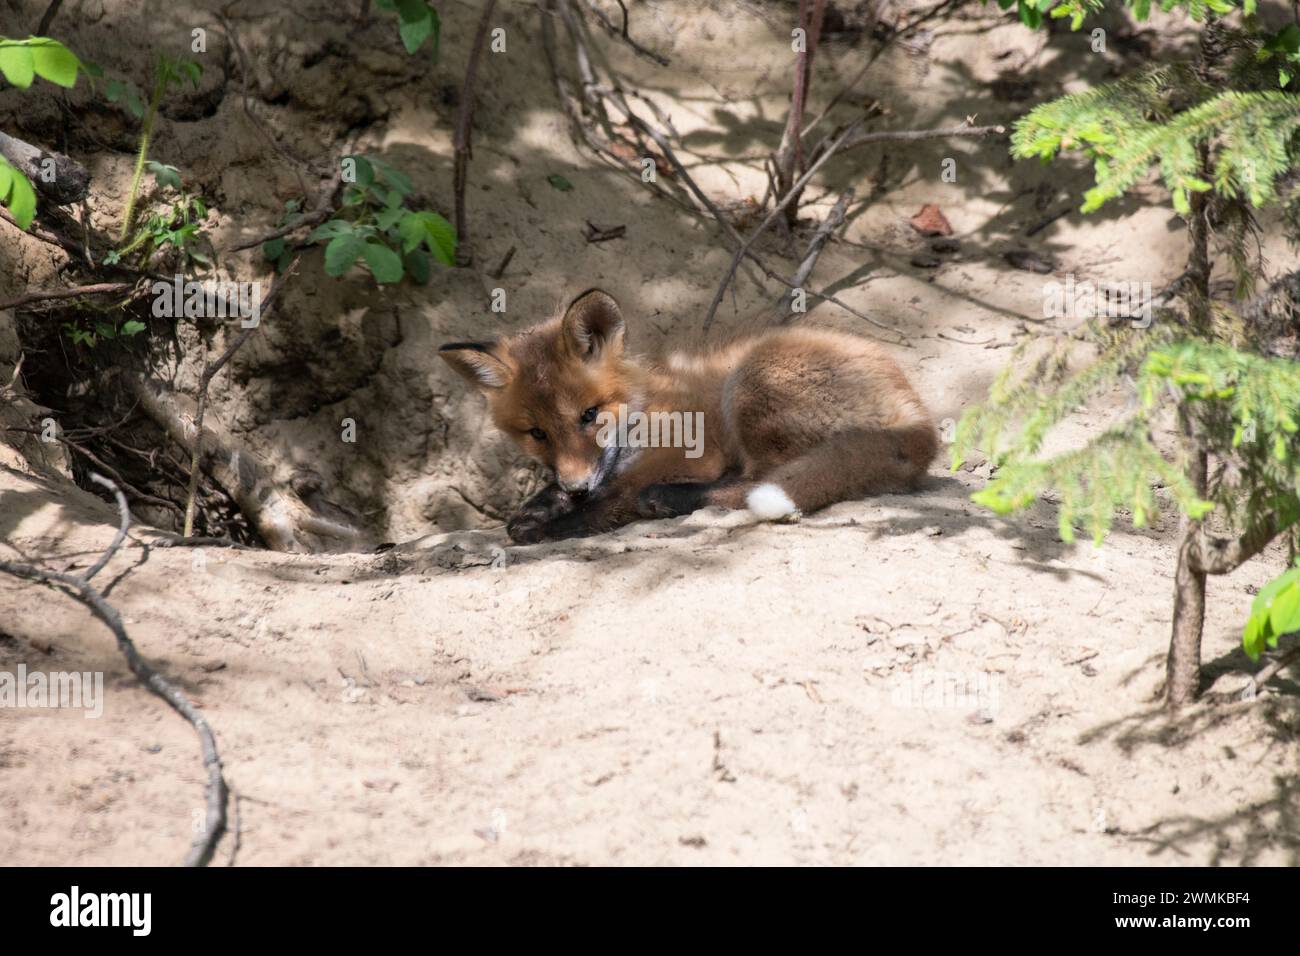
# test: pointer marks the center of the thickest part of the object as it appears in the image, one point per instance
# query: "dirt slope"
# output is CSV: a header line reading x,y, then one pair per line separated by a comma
x,y
903,680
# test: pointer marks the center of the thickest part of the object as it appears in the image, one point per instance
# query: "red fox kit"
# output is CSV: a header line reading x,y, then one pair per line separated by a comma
x,y
784,422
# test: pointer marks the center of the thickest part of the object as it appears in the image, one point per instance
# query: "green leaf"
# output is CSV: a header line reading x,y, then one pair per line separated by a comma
x,y
273,249
418,266
415,32
53,61
1029,16
395,178
132,327
389,217
385,264
1284,616
18,196
16,63
330,229
432,230
166,176
559,182
341,252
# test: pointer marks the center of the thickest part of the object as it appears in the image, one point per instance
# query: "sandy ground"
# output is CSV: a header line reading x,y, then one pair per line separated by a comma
x,y
902,680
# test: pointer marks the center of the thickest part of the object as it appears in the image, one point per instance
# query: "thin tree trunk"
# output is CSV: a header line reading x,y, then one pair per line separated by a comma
x,y
1183,664
789,156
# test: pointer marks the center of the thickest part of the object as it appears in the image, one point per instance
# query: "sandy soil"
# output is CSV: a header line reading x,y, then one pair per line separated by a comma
x,y
902,680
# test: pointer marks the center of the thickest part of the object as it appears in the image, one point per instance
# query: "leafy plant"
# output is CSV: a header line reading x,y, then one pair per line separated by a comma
x,y
376,227
99,330
1033,12
1276,611
418,22
21,61
178,226
1224,144
168,72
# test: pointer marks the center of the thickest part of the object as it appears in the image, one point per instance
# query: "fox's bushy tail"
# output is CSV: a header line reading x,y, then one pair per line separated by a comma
x,y
850,464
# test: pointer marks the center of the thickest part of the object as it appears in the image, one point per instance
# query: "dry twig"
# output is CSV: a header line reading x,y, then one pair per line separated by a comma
x,y
79,587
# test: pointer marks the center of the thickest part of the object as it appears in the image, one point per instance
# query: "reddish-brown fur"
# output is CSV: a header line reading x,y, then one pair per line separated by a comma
x,y
824,416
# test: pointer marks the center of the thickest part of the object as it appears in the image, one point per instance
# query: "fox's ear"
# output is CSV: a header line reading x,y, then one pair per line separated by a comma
x,y
594,325
477,362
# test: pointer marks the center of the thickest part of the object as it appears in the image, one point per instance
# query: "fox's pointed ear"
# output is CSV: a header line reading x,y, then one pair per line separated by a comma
x,y
477,362
594,325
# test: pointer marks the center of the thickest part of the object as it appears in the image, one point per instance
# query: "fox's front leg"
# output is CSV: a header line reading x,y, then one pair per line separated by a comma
x,y
528,525
594,514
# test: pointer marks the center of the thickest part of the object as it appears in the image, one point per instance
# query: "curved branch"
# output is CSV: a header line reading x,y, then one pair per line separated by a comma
x,y
79,587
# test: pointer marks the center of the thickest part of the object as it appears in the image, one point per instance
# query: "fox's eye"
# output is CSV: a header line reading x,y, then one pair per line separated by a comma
x,y
589,415
537,433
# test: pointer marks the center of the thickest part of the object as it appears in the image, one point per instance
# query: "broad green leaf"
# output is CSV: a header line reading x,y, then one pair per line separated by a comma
x,y
132,327
415,32
166,176
432,230
16,63
559,182
1284,616
385,264
53,61
341,252
21,199
418,266
273,249
330,229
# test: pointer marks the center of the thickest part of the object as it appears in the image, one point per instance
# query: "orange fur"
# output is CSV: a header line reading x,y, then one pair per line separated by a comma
x,y
821,415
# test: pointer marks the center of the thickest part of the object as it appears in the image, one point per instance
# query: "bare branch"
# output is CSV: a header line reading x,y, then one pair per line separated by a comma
x,y
71,180
462,141
622,34
99,288
80,588
832,222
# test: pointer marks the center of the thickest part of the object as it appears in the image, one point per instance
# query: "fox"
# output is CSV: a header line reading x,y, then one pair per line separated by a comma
x,y
793,420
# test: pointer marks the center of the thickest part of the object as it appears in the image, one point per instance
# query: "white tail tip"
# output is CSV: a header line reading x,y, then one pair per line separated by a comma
x,y
769,502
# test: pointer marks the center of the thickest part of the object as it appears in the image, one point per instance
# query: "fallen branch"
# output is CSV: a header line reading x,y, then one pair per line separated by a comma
x,y
70,182
713,210
622,34
98,462
323,210
99,288
50,237
1272,669
823,234
777,209
79,587
500,270
461,141
965,130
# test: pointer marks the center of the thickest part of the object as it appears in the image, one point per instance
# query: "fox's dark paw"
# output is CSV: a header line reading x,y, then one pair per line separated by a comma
x,y
527,527
670,500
